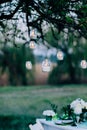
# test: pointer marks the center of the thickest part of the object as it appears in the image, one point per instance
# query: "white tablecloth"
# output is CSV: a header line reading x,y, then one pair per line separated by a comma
x,y
50,125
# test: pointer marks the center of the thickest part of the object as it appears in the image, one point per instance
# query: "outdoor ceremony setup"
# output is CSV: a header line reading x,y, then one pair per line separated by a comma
x,y
43,64
73,118
61,125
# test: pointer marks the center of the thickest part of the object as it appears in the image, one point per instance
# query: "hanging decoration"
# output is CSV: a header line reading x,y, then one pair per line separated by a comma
x,y
46,65
83,64
28,65
32,34
32,45
32,38
60,55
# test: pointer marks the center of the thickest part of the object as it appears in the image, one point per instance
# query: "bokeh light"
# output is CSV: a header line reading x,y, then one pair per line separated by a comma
x,y
32,45
46,65
28,65
60,55
83,64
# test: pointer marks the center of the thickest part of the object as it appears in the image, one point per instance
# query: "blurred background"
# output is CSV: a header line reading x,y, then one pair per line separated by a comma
x,y
43,58
31,78
23,65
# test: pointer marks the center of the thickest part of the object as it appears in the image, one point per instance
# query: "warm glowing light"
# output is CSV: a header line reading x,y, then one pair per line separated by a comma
x,y
28,65
32,34
32,45
60,55
83,64
46,65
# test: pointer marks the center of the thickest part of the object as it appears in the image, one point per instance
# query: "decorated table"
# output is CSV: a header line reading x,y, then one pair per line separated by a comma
x,y
73,118
52,125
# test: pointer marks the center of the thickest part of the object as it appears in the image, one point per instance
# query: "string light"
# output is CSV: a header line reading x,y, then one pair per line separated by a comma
x,y
28,65
60,55
32,34
83,64
32,45
46,65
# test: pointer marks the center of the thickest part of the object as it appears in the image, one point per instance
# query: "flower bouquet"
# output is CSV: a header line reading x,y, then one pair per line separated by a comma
x,y
79,108
48,114
76,110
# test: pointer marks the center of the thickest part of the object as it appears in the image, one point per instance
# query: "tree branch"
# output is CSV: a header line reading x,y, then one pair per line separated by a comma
x,y
4,1
3,16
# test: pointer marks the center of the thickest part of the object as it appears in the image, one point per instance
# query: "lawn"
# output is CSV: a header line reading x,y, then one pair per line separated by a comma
x,y
20,106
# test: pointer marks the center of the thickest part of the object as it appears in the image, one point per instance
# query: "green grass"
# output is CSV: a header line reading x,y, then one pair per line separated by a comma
x,y
20,106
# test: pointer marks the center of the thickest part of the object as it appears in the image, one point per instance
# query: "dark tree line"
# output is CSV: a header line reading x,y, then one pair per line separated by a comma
x,y
59,15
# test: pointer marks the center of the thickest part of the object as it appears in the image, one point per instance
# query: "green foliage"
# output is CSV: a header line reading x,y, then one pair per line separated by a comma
x,y
60,14
68,112
54,107
53,12
15,122
74,51
69,20
55,77
20,106
50,38
13,60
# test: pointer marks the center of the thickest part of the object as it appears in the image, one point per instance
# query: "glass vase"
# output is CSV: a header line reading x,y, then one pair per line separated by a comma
x,y
48,118
77,118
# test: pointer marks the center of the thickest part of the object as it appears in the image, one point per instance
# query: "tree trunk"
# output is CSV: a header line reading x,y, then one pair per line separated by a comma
x,y
71,69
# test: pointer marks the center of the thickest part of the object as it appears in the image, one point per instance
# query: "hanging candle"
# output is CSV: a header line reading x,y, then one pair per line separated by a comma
x,y
83,64
60,55
28,65
46,65
32,34
32,45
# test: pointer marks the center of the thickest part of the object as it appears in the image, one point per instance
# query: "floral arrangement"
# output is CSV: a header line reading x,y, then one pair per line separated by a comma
x,y
76,110
49,114
78,106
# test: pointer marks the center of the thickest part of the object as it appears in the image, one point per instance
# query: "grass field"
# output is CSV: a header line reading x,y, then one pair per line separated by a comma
x,y
20,106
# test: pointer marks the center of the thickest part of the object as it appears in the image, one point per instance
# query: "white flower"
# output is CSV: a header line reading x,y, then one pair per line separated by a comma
x,y
48,113
78,110
77,102
77,105
73,104
82,102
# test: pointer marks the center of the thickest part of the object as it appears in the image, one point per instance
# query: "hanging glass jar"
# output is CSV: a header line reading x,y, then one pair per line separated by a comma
x,y
28,65
32,45
46,65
